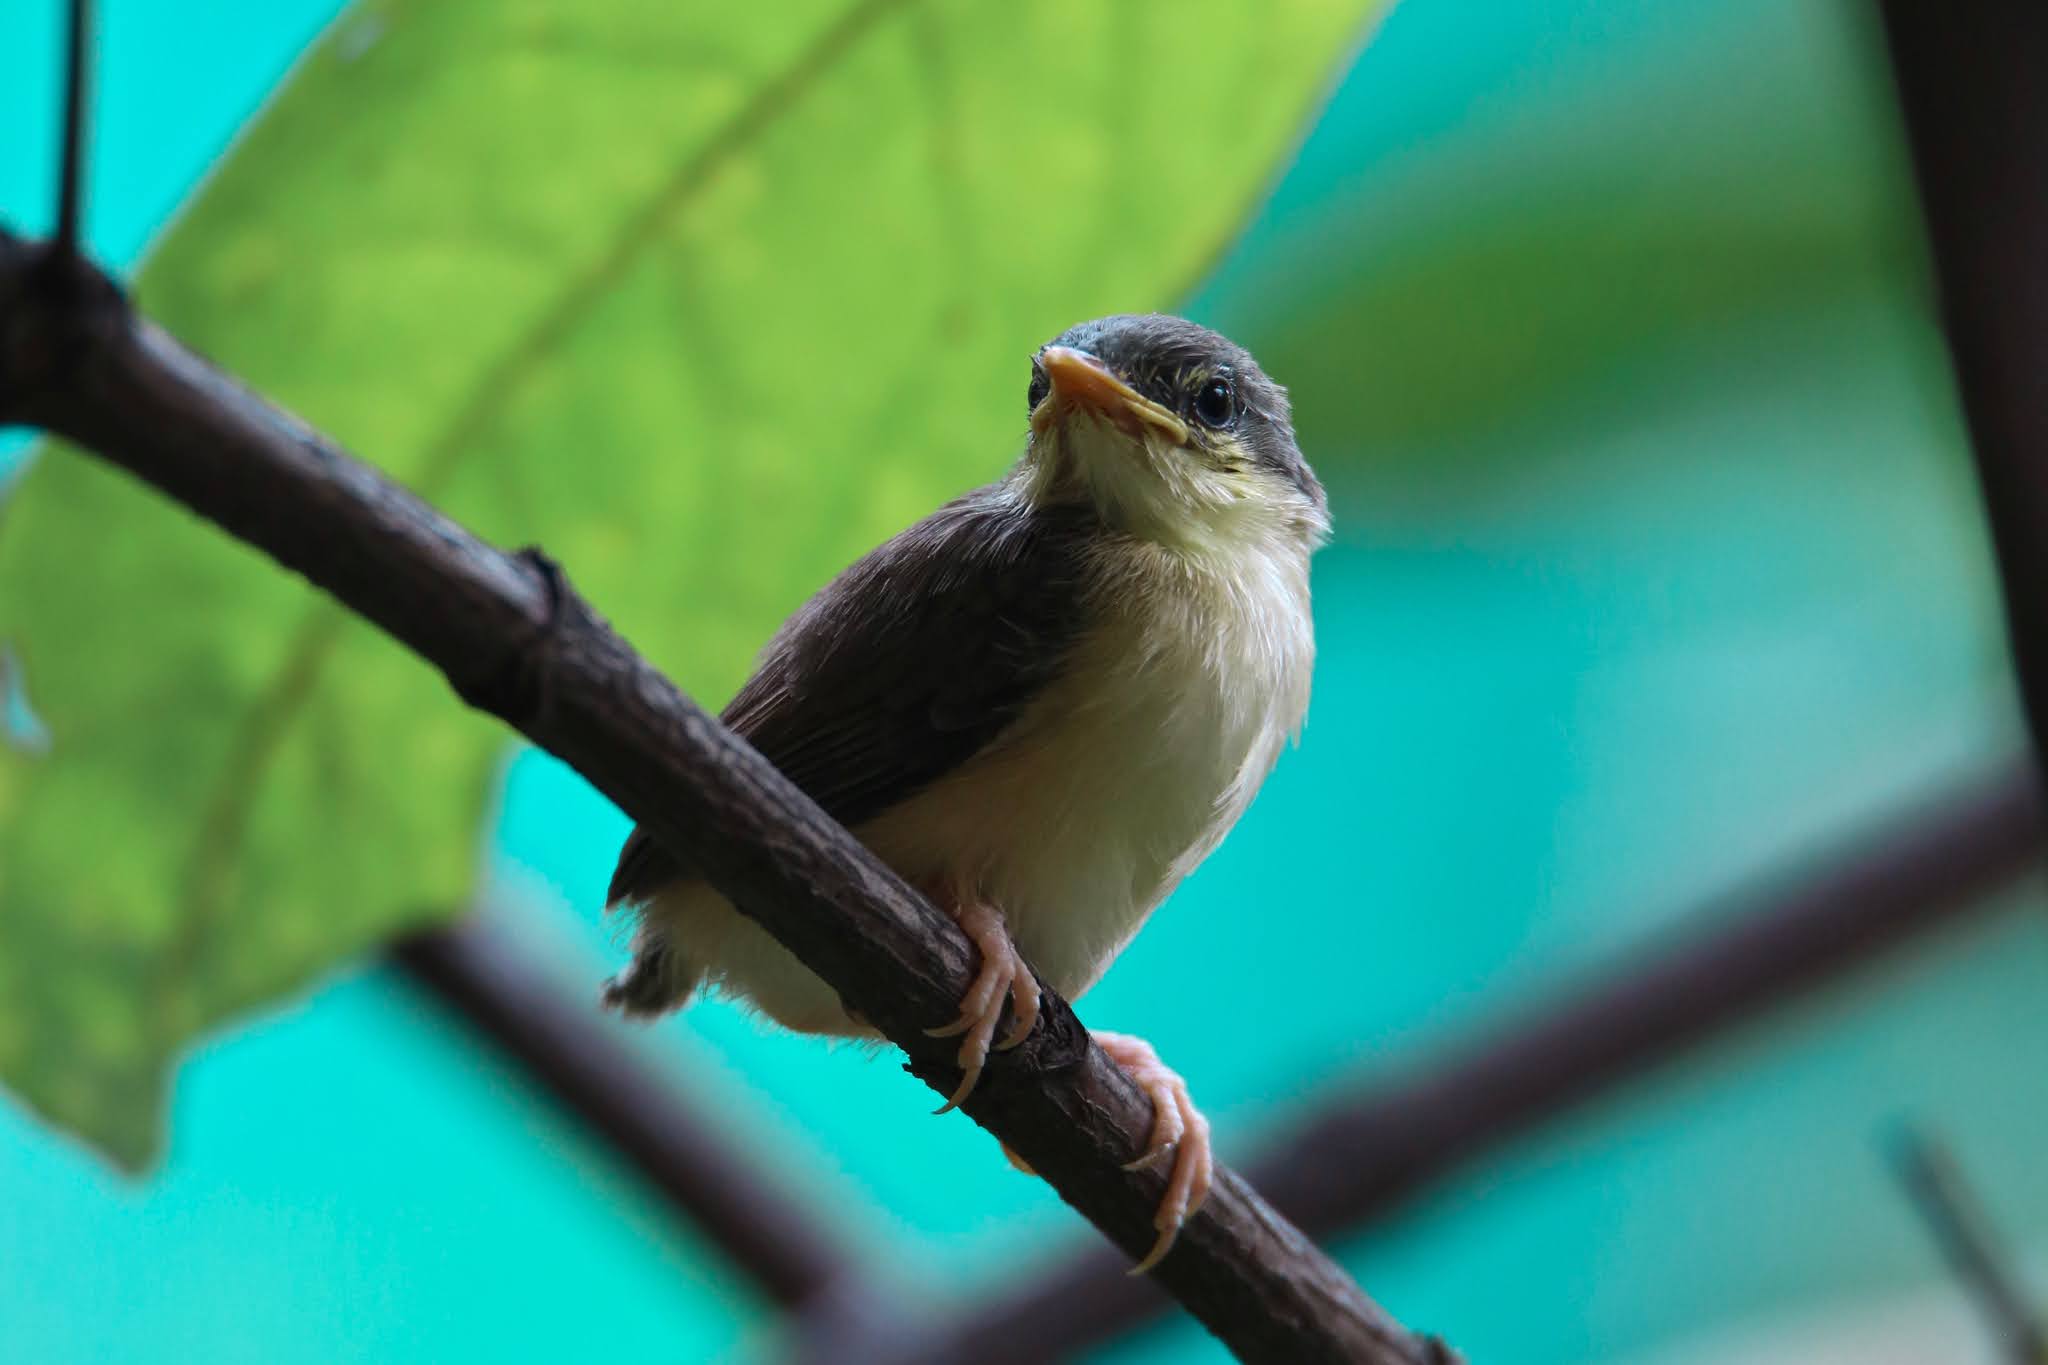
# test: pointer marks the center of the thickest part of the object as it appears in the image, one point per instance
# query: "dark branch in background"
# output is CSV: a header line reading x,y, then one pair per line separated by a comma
x,y
513,639
1973,83
494,985
1931,1176
1369,1152
71,176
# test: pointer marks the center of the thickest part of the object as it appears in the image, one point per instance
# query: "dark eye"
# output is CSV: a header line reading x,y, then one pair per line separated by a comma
x,y
1215,405
1040,387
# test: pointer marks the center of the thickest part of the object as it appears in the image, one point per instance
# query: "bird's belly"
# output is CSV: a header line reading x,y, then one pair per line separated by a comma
x,y
1078,823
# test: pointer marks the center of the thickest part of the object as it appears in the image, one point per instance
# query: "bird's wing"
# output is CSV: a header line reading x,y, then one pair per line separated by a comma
x,y
906,664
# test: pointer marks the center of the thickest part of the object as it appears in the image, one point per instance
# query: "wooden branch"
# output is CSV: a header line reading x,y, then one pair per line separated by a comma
x,y
485,977
513,639
1367,1153
1973,84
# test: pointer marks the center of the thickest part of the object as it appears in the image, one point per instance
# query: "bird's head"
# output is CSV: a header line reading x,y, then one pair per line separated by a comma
x,y
1174,433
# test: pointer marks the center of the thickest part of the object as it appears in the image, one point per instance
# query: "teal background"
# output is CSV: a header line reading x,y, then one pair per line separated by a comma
x,y
1658,565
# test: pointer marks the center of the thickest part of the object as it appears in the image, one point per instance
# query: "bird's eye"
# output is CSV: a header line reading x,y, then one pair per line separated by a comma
x,y
1040,387
1215,405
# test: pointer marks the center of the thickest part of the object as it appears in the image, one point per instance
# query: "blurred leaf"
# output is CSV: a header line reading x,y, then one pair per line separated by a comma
x,y
705,303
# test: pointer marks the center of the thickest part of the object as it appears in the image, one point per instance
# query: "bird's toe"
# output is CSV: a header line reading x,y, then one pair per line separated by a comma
x,y
1178,1130
1004,975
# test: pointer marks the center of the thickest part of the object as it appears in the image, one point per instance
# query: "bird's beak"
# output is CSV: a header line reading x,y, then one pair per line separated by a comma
x,y
1080,381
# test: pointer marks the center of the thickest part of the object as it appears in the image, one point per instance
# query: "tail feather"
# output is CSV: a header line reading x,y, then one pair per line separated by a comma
x,y
656,981
659,978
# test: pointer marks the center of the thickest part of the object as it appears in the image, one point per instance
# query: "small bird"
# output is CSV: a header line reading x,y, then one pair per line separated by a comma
x,y
1042,705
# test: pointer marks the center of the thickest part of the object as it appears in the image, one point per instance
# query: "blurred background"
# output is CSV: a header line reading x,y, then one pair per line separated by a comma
x,y
1659,571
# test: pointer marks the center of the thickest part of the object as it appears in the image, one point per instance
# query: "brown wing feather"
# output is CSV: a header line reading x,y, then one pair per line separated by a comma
x,y
908,663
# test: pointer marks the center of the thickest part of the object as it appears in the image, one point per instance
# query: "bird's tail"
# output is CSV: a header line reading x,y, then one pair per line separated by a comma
x,y
658,979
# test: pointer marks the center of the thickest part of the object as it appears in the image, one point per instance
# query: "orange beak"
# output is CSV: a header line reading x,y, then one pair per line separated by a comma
x,y
1080,381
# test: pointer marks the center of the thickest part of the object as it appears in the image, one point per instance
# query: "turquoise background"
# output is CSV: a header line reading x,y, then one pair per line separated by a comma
x,y
1658,566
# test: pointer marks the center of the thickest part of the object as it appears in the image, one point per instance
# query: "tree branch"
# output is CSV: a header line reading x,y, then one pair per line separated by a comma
x,y
1971,85
515,640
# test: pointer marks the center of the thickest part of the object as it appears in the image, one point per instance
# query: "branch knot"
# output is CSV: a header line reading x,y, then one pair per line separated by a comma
x,y
520,690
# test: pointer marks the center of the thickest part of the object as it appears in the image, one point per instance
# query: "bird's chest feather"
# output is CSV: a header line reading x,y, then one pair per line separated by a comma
x,y
1126,772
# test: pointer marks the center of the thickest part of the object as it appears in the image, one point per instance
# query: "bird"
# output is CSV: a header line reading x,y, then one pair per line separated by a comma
x,y
1043,705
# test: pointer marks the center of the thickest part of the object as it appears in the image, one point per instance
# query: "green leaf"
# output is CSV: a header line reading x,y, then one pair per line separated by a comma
x,y
705,303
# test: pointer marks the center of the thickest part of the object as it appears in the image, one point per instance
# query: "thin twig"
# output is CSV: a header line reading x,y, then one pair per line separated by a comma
x,y
71,178
513,639
1929,1171
1367,1153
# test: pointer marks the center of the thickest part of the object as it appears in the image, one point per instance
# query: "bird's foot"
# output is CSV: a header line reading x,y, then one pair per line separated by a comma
x,y
1178,1128
1003,974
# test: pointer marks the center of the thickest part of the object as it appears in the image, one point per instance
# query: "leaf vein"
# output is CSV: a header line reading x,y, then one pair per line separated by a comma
x,y
273,712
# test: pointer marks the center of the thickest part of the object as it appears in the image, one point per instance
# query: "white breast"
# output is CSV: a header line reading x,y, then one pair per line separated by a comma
x,y
1123,776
